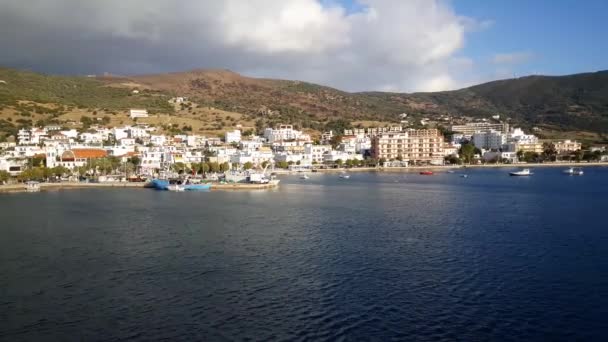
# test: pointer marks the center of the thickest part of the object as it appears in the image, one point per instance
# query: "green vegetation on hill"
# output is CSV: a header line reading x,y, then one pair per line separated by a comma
x,y
576,103
80,92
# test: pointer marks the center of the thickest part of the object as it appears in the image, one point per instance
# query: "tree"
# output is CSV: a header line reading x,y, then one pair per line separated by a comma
x,y
32,174
467,152
452,160
283,164
135,161
520,155
339,162
265,164
247,165
335,141
224,167
549,151
179,167
4,176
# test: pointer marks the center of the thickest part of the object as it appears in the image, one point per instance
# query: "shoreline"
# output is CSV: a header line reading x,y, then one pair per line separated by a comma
x,y
443,167
20,187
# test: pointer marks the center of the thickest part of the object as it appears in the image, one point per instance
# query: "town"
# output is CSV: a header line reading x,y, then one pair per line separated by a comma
x,y
139,152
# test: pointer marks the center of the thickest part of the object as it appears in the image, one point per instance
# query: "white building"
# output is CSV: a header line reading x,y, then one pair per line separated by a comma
x,y
294,158
254,157
284,132
24,136
316,152
517,135
491,140
233,136
12,165
333,156
138,132
91,138
250,145
158,140
138,113
510,157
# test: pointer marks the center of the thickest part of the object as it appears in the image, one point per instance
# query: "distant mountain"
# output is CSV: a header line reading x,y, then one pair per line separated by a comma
x,y
573,102
569,103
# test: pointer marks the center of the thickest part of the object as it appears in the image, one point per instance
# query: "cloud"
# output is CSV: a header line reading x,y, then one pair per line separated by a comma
x,y
512,58
376,44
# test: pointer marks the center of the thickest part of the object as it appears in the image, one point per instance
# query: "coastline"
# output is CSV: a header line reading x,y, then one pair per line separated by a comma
x,y
19,187
445,167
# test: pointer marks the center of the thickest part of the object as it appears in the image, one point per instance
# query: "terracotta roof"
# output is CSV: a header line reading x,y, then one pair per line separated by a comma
x,y
89,153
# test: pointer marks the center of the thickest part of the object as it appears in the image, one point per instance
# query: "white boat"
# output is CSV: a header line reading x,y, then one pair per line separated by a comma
x,y
344,175
176,187
304,176
524,172
451,171
464,176
574,171
32,186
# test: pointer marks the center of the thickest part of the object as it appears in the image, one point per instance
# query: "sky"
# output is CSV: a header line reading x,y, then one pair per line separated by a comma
x,y
354,45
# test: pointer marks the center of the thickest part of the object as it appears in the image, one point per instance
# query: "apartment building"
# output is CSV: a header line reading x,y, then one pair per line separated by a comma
x,y
473,127
423,146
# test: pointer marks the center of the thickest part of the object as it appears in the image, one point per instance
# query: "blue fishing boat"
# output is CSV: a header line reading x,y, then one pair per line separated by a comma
x,y
159,184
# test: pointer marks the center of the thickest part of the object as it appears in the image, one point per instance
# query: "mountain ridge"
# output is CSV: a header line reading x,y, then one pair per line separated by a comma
x,y
577,102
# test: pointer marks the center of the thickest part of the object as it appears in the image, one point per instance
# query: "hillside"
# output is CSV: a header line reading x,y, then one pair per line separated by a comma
x,y
220,99
573,102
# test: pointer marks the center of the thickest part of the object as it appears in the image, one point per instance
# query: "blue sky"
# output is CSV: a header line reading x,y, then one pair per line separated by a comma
x,y
557,37
564,36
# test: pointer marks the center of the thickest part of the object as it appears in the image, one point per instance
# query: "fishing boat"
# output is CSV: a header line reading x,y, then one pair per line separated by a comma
x,y
158,184
427,173
574,171
523,172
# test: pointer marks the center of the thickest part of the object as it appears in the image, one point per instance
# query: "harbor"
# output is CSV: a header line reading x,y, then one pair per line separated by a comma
x,y
21,187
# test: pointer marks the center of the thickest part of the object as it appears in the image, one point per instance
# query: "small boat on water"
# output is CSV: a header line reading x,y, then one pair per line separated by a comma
x,y
32,186
451,171
574,171
523,172
464,176
427,173
344,175
304,176
172,185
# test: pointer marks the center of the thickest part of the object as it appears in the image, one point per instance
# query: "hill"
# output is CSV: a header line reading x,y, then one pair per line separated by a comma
x,y
219,99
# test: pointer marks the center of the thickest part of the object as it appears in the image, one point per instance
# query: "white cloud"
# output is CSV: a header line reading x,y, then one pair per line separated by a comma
x,y
512,58
401,45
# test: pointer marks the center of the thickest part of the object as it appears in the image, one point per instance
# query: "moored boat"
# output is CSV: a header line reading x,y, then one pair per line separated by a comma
x,y
523,172
427,173
574,171
344,175
197,187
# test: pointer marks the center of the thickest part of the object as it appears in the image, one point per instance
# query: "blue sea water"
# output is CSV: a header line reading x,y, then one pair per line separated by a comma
x,y
378,257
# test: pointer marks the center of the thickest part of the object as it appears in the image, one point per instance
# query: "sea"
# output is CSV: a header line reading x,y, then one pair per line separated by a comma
x,y
377,257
